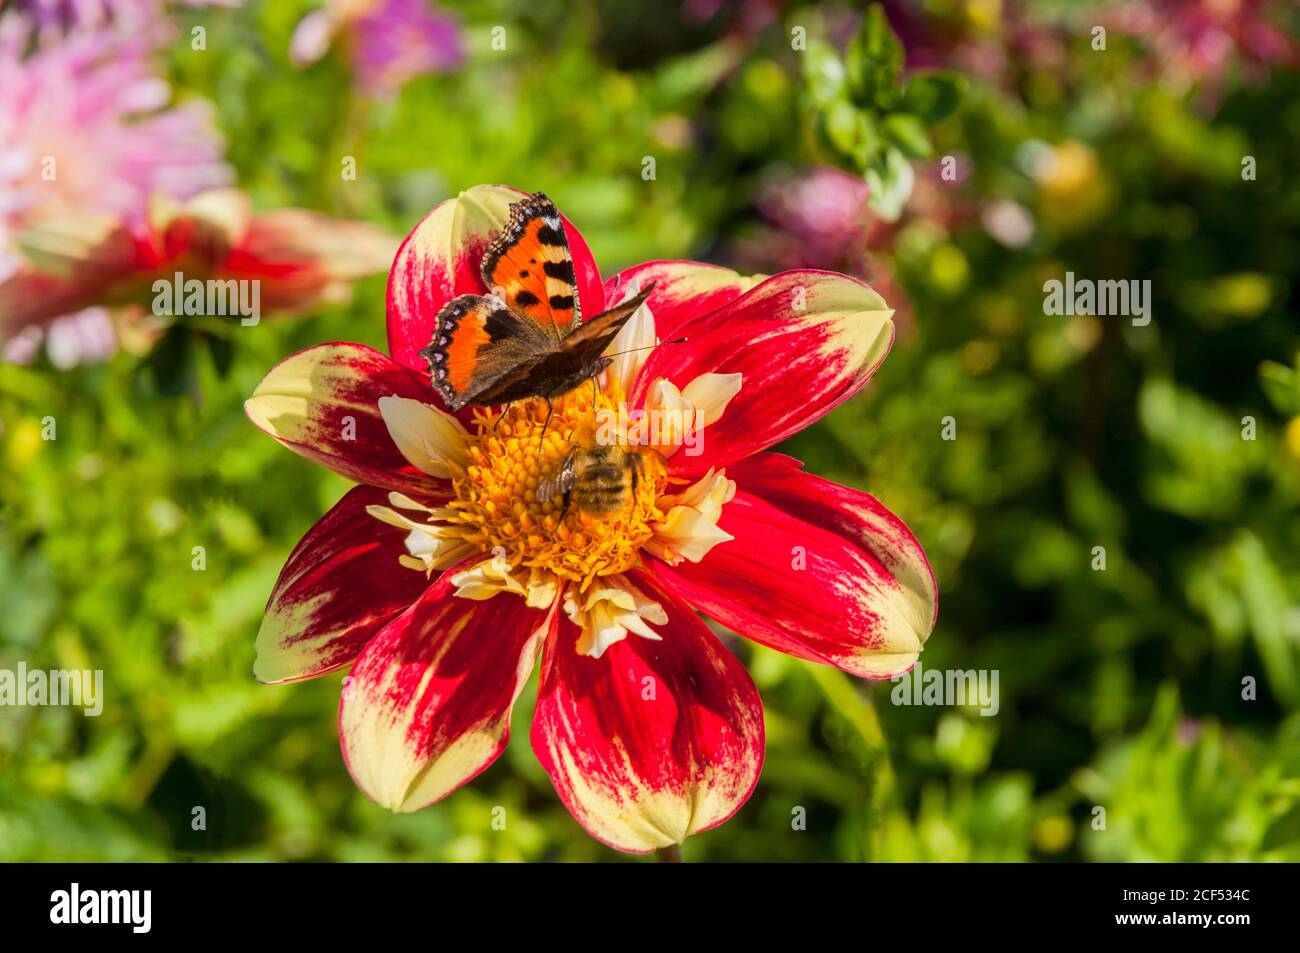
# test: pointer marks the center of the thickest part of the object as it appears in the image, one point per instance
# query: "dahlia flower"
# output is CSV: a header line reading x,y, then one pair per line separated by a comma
x,y
389,42
300,258
85,128
442,579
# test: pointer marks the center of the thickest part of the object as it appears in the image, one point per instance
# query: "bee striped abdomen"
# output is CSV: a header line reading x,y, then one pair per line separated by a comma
x,y
601,488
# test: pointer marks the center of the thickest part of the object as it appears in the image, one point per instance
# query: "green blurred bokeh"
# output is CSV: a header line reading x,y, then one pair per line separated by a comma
x,y
1121,689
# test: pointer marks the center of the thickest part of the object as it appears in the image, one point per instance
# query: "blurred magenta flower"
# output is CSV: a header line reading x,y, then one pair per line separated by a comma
x,y
144,20
820,218
742,17
85,128
993,41
389,42
1197,40
824,209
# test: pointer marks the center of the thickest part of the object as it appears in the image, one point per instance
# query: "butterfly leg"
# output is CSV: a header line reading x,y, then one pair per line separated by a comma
x,y
550,409
595,396
501,415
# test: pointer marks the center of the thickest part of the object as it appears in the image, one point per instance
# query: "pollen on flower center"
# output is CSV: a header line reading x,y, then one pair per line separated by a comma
x,y
497,501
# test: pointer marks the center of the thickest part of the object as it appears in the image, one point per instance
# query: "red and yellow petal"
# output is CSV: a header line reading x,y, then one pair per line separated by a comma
x,y
803,342
440,260
653,741
339,587
683,290
323,403
817,570
427,706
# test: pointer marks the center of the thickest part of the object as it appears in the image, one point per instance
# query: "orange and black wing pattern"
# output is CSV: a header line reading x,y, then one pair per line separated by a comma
x,y
588,342
529,266
478,343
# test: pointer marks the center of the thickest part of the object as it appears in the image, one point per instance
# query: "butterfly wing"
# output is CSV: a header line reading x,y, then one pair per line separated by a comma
x,y
588,342
563,366
530,268
478,345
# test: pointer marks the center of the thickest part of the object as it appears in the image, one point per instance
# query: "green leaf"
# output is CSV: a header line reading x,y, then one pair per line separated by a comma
x,y
824,74
841,121
222,353
1284,830
874,59
171,367
891,180
908,133
1267,602
845,697
869,142
933,96
1281,385
851,132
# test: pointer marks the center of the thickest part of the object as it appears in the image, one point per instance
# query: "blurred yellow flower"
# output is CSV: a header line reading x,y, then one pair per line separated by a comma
x,y
1074,190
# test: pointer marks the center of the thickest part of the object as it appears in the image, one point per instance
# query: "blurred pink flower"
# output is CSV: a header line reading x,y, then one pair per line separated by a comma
x,y
820,219
1196,40
994,42
143,19
388,41
823,220
85,128
743,17
78,338
825,209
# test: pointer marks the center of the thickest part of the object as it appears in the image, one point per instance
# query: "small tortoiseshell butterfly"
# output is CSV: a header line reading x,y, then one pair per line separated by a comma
x,y
526,337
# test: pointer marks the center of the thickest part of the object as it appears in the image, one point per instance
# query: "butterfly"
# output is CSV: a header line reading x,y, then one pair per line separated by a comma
x,y
525,338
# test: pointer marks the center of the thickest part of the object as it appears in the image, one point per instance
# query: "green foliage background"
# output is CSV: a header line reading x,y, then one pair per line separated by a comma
x,y
1120,689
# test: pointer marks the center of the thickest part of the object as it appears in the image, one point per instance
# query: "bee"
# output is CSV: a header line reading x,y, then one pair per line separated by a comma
x,y
601,480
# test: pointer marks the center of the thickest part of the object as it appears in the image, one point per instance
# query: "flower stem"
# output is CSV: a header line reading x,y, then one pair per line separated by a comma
x,y
672,854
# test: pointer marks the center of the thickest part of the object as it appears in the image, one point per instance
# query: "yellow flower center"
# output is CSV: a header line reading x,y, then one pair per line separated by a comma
x,y
579,535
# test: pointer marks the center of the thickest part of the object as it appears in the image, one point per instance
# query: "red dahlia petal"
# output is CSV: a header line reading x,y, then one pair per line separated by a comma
x,y
803,341
683,290
341,584
427,706
323,403
817,570
653,741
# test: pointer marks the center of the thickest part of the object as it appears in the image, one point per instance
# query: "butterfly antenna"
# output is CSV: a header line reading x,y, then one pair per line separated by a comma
x,y
648,347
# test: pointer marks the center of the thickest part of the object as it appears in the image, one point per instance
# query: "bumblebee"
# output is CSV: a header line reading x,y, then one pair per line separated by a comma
x,y
600,480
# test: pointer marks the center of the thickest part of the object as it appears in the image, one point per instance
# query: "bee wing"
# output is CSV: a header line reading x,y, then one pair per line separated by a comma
x,y
561,481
